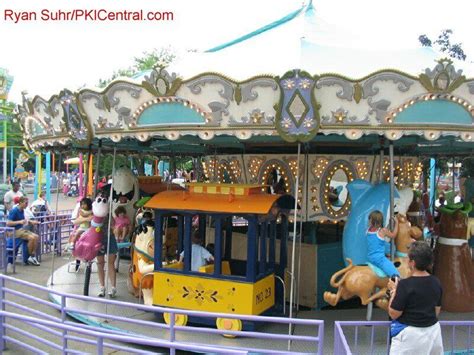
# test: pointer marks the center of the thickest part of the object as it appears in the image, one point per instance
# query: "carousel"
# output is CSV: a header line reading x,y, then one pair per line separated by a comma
x,y
340,146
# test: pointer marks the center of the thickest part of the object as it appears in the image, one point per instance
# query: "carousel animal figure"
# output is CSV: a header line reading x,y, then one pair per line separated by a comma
x,y
125,191
363,280
453,265
90,242
142,261
365,198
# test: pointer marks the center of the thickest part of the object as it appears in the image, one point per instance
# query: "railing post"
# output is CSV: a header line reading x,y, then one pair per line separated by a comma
x,y
63,320
100,346
321,338
2,318
172,332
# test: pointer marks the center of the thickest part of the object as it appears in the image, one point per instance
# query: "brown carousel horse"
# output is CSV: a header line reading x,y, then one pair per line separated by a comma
x,y
361,281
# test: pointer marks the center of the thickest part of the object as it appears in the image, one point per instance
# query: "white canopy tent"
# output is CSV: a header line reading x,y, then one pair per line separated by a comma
x,y
302,39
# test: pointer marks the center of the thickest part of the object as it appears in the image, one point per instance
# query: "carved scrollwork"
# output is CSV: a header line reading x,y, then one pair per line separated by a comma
x,y
347,91
124,113
99,99
130,88
470,85
369,89
159,81
444,65
219,109
248,93
380,108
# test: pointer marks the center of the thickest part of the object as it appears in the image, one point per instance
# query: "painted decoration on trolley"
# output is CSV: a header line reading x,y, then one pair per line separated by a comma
x,y
197,292
298,117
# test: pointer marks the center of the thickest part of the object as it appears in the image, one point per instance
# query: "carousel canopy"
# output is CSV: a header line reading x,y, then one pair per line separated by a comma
x,y
341,98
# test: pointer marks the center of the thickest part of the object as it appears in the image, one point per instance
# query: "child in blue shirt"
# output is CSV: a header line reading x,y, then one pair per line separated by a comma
x,y
376,244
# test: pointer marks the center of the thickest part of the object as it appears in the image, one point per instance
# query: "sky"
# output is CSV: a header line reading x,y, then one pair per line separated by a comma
x,y
46,56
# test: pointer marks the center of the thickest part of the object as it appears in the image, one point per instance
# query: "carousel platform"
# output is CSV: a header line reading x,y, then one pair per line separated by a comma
x,y
68,281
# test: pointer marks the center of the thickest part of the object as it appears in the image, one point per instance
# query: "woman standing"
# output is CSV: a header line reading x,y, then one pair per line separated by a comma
x,y
414,306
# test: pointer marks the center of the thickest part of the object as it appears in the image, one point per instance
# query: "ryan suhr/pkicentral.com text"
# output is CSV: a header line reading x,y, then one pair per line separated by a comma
x,y
46,15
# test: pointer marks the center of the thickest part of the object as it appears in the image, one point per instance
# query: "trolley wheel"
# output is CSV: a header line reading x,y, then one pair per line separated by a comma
x,y
229,324
179,319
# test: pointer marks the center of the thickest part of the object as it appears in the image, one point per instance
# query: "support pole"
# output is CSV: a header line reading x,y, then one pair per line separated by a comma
x,y
381,165
12,164
392,194
454,178
293,248
57,236
432,184
37,186
48,177
90,174
97,167
81,174
5,140
106,266
87,177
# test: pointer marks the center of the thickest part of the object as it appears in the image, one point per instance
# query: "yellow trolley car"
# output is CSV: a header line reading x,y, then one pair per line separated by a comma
x,y
228,285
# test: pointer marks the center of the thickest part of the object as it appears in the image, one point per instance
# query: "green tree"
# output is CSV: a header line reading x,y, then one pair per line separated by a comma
x,y
444,44
148,60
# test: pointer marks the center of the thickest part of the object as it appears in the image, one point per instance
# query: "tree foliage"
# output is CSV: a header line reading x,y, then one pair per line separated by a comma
x,y
444,44
148,60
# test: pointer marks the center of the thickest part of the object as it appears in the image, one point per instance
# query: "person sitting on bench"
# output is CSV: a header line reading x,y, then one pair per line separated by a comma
x,y
16,219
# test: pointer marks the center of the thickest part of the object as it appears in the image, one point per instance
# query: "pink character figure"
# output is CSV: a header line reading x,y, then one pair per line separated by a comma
x,y
122,225
90,241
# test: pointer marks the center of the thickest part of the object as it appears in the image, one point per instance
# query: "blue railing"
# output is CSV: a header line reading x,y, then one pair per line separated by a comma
x,y
10,297
352,337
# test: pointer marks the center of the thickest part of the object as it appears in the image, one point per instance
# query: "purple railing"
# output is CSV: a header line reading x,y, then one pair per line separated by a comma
x,y
373,337
197,337
53,230
7,248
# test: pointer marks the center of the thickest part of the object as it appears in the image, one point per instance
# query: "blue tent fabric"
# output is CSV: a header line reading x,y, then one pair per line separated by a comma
x,y
262,29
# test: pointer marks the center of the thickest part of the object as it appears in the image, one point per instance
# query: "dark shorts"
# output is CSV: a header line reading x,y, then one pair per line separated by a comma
x,y
113,249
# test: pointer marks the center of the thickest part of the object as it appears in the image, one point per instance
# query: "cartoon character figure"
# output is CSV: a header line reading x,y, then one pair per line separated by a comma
x,y
125,191
142,261
90,242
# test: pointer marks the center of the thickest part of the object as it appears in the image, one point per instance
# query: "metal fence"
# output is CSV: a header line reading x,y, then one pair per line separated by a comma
x,y
42,336
373,337
53,230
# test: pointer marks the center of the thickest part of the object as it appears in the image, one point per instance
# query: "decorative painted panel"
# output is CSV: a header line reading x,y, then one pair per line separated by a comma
x,y
227,169
298,116
327,178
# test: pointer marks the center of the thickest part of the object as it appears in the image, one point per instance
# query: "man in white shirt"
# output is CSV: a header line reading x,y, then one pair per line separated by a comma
x,y
10,196
199,255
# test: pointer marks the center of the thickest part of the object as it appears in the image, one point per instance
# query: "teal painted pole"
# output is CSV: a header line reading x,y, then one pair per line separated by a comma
x,y
11,164
432,183
37,175
48,177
